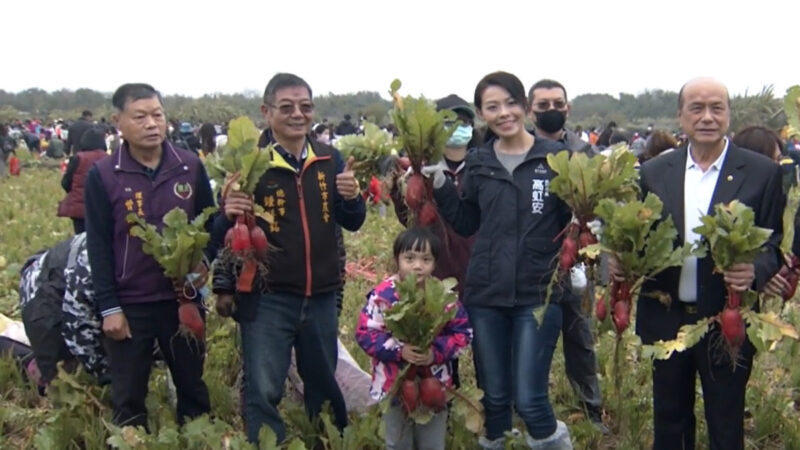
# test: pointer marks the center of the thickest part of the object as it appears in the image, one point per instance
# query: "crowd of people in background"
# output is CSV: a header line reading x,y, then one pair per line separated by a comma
x,y
496,250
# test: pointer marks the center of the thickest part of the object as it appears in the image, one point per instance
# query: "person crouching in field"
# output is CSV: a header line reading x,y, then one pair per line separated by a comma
x,y
146,176
415,252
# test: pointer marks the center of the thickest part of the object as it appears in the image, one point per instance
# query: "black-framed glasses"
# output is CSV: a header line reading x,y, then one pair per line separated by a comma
x,y
288,108
544,105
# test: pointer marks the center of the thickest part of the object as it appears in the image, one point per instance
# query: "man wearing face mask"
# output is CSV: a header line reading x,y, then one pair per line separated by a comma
x,y
456,249
549,110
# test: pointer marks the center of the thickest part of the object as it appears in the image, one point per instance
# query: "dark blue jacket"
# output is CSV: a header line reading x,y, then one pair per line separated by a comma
x,y
517,221
303,257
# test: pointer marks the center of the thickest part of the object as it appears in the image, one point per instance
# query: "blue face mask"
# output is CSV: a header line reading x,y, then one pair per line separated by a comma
x,y
460,137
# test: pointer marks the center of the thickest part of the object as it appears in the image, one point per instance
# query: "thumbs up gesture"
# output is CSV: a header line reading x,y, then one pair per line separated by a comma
x,y
346,182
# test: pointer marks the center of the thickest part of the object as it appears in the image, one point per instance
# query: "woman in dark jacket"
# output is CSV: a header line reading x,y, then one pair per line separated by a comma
x,y
506,200
91,148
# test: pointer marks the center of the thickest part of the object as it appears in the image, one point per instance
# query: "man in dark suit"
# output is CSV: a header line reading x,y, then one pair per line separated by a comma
x,y
690,181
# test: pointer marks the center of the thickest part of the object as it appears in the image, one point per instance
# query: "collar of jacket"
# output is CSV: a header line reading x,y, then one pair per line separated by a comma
x,y
485,155
170,159
443,164
571,140
280,162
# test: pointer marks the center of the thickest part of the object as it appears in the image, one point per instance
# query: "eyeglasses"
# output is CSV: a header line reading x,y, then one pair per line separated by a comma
x,y
288,108
544,105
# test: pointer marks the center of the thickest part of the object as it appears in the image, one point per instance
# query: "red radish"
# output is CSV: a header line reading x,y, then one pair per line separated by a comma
x,y
734,298
600,309
244,282
586,238
13,165
411,373
427,215
415,191
259,242
569,253
238,236
190,323
432,394
621,315
409,396
732,326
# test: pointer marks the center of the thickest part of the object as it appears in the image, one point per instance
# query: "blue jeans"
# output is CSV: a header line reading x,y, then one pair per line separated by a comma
x,y
513,355
282,321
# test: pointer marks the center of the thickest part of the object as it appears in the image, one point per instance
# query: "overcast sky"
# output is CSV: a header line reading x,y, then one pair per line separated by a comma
x,y
434,47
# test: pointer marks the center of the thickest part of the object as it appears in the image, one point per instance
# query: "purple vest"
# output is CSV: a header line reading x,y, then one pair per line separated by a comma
x,y
138,276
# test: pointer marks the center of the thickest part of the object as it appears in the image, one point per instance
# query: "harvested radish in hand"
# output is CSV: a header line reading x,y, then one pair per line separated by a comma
x,y
190,322
415,191
427,214
432,394
621,315
422,133
409,395
246,244
600,309
732,326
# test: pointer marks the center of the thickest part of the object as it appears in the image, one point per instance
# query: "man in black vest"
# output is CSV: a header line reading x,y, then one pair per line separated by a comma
x,y
307,190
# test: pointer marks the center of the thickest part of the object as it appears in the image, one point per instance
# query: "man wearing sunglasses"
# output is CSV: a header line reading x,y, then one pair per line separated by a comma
x,y
549,110
308,190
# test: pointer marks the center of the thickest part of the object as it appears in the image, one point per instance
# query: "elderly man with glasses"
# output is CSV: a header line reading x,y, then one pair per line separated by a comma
x,y
308,190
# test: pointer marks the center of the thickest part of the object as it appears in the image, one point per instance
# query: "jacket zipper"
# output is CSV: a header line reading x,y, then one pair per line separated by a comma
x,y
306,233
125,257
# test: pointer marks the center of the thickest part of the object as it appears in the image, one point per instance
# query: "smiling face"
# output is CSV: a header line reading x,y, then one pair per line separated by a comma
x,y
143,123
705,112
502,114
291,113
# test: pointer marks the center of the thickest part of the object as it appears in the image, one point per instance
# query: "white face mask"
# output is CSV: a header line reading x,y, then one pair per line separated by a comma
x,y
460,137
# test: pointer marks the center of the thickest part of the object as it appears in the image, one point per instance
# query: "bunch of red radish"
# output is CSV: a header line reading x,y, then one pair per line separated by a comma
x,y
620,301
419,194
577,237
425,390
247,241
419,198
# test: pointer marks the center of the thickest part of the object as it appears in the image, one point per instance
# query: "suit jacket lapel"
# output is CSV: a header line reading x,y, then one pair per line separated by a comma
x,y
730,179
674,179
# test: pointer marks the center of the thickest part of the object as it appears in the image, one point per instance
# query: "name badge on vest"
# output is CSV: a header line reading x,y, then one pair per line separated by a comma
x,y
182,190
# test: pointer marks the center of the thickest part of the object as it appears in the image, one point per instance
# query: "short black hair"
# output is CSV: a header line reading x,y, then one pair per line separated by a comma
x,y
505,80
546,84
131,92
416,239
86,113
281,81
93,139
347,117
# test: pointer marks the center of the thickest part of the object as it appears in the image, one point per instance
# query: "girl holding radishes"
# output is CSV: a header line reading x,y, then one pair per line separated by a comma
x,y
427,372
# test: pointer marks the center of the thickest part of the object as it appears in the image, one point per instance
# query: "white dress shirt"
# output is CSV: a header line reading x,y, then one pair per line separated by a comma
x,y
698,188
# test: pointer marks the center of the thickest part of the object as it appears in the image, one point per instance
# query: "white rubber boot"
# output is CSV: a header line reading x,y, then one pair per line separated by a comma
x,y
559,440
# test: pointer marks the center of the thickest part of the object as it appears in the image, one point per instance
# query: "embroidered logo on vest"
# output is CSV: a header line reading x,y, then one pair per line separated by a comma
x,y
182,190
